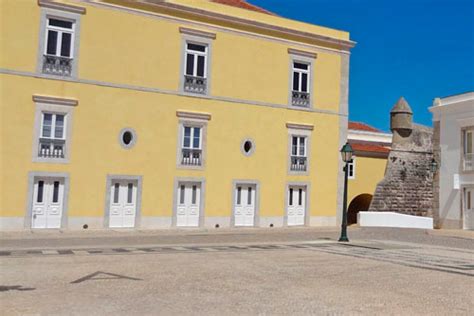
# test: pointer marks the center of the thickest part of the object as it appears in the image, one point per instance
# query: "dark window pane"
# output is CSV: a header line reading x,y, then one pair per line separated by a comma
x,y
39,198
300,198
200,66
196,138
291,197
249,196
116,192
52,42
304,82
56,192
187,137
60,23
199,48
181,195
194,195
296,79
190,64
300,66
239,195
66,45
130,193
127,137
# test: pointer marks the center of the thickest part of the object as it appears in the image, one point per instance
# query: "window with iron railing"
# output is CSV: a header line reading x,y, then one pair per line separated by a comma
x,y
299,161
300,94
58,51
191,151
52,139
195,76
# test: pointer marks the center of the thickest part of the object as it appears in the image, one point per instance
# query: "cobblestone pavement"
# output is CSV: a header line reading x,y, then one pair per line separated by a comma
x,y
255,274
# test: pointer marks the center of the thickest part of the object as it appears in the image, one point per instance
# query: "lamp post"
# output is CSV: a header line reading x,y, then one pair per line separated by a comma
x,y
346,153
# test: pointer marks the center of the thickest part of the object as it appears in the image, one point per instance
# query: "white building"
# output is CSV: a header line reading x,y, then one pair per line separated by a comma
x,y
453,120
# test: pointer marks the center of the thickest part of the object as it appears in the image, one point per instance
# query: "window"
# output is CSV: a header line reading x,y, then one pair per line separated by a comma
x,y
59,46
351,169
300,84
247,147
298,153
127,138
239,195
130,193
468,150
191,146
52,137
39,198
195,74
116,192
56,192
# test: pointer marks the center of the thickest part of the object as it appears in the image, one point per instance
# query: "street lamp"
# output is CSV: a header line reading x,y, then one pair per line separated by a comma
x,y
346,153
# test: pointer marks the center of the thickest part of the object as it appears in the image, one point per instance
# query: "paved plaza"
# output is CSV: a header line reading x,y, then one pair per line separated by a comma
x,y
253,271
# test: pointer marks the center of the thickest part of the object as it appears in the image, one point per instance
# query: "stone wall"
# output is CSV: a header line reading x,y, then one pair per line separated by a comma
x,y
407,186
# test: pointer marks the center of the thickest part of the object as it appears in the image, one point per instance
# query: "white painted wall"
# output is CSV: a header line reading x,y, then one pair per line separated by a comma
x,y
392,219
453,113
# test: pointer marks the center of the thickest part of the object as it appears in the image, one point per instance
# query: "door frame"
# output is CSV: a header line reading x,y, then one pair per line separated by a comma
x,y
305,184
463,192
256,218
32,175
120,177
189,180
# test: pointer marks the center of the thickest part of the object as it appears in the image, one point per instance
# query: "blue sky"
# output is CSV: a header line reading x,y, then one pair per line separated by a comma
x,y
419,49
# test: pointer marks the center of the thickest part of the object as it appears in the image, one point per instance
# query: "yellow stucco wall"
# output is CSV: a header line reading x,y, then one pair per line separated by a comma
x,y
117,47
369,172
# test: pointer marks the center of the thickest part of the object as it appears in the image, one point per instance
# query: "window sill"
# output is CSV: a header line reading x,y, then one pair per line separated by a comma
x,y
51,160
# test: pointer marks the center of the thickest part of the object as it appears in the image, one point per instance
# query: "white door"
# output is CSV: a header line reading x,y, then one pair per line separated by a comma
x,y
244,205
187,212
123,203
296,205
469,208
47,205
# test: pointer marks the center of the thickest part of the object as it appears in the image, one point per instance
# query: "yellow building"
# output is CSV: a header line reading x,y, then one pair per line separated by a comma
x,y
371,148
155,114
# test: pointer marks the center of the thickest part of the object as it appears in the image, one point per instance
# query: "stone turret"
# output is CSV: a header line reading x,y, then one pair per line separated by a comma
x,y
401,122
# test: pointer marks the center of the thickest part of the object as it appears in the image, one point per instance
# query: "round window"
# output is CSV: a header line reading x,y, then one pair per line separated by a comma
x,y
248,147
128,138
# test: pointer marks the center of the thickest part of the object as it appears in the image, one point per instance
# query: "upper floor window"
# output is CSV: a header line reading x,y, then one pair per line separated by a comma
x,y
300,91
195,77
58,48
468,149
298,153
301,69
191,151
53,138
351,169
52,132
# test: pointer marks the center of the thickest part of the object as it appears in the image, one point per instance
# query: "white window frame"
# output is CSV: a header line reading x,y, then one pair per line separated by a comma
x,y
299,145
197,37
196,54
55,106
65,14
308,58
191,141
60,31
53,125
300,73
192,119
351,175
299,130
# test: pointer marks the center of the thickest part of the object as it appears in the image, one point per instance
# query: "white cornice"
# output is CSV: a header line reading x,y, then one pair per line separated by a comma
x,y
54,100
61,6
194,115
198,33
306,127
302,53
368,136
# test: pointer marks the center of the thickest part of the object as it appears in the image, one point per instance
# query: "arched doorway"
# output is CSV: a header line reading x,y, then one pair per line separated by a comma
x,y
358,204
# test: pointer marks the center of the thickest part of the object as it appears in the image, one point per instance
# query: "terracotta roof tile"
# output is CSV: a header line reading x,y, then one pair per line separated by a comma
x,y
243,5
370,148
362,127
